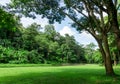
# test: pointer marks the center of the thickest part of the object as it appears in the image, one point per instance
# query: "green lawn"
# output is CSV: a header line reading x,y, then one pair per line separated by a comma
x,y
38,74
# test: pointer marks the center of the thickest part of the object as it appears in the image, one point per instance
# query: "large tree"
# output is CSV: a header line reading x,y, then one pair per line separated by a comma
x,y
86,15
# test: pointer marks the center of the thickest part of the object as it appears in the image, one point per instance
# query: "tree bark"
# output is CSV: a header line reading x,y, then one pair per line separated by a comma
x,y
114,58
103,41
104,49
112,14
108,63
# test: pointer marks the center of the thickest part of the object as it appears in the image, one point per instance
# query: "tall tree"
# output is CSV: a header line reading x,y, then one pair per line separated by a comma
x,y
8,24
50,32
10,27
29,35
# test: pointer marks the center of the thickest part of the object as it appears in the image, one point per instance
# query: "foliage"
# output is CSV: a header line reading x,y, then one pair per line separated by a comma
x,y
97,58
30,45
34,57
8,24
10,55
89,50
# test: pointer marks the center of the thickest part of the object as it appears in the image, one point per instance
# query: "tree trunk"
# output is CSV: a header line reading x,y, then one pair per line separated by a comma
x,y
114,58
117,36
112,15
108,63
104,49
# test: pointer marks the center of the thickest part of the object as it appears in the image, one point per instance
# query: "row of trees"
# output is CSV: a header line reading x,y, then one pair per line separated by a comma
x,y
33,45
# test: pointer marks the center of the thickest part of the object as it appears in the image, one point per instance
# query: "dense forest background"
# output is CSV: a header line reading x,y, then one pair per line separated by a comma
x,y
35,44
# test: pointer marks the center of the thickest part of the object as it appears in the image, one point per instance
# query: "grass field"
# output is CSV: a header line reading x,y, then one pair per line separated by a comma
x,y
39,74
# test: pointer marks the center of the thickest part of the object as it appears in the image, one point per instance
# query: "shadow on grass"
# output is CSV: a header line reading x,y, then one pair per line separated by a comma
x,y
62,76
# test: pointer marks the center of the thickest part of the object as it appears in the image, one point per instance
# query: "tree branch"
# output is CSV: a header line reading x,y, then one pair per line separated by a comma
x,y
101,6
80,12
73,19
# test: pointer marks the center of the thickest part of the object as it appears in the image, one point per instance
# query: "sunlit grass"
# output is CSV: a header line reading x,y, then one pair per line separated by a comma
x,y
37,74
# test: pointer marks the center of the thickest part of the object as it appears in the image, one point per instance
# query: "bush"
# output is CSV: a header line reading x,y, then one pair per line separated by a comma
x,y
10,55
34,57
6,54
